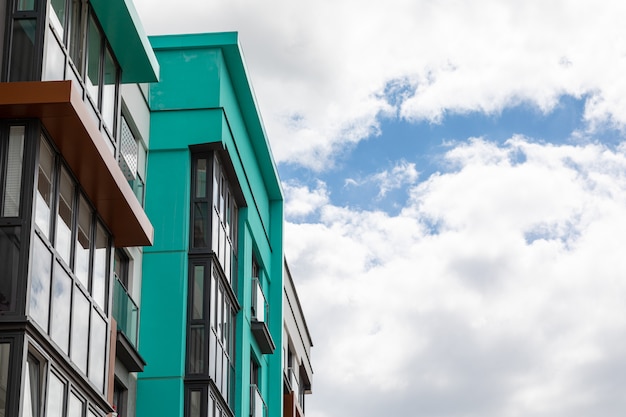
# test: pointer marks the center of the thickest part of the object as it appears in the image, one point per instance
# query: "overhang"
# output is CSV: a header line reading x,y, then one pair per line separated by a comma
x,y
123,29
67,119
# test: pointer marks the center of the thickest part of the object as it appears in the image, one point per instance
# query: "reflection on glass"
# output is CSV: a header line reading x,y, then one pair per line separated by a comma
x,y
98,289
44,187
80,329
61,297
109,90
83,241
194,403
9,253
75,406
94,46
58,15
64,216
32,388
40,283
201,171
198,292
22,56
54,65
13,180
75,39
55,394
5,351
97,350
200,224
25,5
196,349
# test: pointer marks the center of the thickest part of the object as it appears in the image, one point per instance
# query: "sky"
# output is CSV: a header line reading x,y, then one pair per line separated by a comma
x,y
455,183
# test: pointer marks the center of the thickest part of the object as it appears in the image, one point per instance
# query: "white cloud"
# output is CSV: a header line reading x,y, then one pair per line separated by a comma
x,y
449,309
301,201
401,174
321,69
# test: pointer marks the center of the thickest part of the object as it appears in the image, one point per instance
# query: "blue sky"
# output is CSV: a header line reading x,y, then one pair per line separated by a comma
x,y
455,196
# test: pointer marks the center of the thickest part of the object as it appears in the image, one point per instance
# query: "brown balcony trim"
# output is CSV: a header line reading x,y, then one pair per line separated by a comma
x,y
67,119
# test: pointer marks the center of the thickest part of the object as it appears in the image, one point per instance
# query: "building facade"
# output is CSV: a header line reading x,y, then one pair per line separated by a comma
x,y
297,344
211,313
71,218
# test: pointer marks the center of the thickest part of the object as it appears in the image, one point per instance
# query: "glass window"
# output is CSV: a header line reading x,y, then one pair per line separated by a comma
x,y
109,90
44,187
57,17
94,52
76,39
61,303
201,176
100,261
120,394
13,180
198,292
40,283
55,396
25,5
54,61
9,267
200,224
97,350
194,403
80,329
32,388
22,50
196,349
5,352
75,406
63,243
83,241
120,268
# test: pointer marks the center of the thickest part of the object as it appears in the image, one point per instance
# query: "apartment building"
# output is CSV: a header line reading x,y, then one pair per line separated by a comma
x,y
211,326
74,126
297,344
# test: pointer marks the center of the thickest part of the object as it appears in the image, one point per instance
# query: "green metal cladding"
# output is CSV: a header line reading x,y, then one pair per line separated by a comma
x,y
204,96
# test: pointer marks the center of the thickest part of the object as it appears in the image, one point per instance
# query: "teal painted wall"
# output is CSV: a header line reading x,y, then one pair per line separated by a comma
x,y
204,96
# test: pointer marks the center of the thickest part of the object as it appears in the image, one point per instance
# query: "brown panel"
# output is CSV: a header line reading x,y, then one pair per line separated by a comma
x,y
68,120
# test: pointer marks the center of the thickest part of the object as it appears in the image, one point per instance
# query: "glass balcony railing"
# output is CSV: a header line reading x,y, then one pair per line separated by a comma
x,y
260,307
125,312
258,408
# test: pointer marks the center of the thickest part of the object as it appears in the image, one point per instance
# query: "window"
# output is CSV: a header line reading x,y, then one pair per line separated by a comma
x,y
5,356
55,396
132,159
70,266
31,400
13,172
120,398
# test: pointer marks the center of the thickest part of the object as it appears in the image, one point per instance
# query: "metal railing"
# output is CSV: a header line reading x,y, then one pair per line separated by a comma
x,y
125,312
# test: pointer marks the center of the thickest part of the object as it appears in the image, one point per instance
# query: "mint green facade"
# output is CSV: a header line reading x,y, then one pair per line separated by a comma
x,y
204,97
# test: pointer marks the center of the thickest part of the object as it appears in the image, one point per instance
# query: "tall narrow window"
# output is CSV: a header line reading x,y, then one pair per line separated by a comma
x,y
5,352
97,350
94,52
109,90
55,396
32,388
76,30
61,303
100,264
83,241
63,243
22,60
25,5
80,329
57,16
40,284
13,179
75,406
44,187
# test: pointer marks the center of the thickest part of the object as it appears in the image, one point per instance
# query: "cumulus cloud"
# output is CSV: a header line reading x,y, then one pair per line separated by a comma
x,y
497,291
401,174
302,201
325,73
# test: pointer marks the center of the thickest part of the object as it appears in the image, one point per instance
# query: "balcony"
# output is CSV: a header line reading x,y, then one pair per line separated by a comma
x,y
260,318
126,314
294,398
258,408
